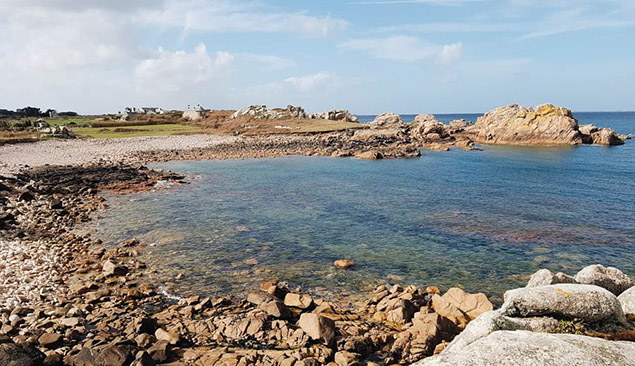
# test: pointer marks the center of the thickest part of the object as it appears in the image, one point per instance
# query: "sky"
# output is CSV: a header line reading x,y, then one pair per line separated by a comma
x,y
403,56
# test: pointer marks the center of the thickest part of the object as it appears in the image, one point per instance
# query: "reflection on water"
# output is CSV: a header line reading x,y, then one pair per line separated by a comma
x,y
480,220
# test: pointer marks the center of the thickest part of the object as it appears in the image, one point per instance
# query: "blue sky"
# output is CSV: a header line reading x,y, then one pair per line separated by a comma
x,y
435,56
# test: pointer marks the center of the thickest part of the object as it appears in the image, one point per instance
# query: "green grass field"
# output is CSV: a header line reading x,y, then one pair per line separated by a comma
x,y
134,131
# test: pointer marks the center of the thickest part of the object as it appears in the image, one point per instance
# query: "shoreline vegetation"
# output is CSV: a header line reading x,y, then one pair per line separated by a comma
x,y
67,300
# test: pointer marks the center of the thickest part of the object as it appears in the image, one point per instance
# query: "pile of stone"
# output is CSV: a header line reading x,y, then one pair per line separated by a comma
x,y
593,306
334,115
545,124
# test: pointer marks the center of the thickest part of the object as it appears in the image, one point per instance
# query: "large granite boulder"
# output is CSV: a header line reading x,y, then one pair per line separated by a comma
x,y
627,300
528,348
545,277
610,278
564,301
515,125
387,120
461,307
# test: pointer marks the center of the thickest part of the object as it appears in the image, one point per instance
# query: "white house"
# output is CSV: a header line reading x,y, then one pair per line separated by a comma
x,y
194,112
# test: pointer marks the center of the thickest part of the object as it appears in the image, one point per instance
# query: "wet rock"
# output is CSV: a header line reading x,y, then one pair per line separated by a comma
x,y
527,348
343,264
318,327
609,278
627,300
110,268
545,277
564,301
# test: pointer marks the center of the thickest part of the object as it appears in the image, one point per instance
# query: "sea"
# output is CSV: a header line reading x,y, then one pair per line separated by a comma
x,y
483,221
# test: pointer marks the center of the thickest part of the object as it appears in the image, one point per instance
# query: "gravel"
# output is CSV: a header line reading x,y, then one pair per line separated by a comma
x,y
68,152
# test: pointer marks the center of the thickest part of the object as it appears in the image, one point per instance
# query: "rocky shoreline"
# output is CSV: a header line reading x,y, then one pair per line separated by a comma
x,y
66,300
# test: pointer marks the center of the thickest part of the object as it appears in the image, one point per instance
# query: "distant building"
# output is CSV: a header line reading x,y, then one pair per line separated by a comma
x,y
194,113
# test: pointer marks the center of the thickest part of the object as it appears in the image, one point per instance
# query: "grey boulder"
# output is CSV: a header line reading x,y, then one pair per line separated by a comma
x,y
520,348
545,277
610,278
627,300
564,301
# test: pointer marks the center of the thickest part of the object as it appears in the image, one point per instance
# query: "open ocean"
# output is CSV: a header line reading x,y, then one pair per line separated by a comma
x,y
479,220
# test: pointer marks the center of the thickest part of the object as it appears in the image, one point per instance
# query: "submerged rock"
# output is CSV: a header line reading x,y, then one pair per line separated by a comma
x,y
527,348
343,264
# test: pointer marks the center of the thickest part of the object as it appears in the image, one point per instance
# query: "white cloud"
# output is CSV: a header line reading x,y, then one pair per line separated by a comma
x,y
310,83
533,18
224,16
43,39
174,71
403,48
450,53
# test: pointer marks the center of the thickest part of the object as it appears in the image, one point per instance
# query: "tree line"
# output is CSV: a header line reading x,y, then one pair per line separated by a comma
x,y
34,112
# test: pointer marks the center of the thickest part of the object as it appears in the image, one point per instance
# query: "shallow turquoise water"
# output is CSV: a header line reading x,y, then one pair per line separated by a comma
x,y
474,219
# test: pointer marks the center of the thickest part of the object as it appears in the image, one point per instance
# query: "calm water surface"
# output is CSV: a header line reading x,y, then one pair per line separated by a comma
x,y
479,220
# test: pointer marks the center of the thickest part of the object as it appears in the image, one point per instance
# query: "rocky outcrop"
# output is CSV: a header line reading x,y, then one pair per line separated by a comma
x,y
386,120
334,115
609,278
528,348
545,124
600,136
544,307
261,112
426,128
